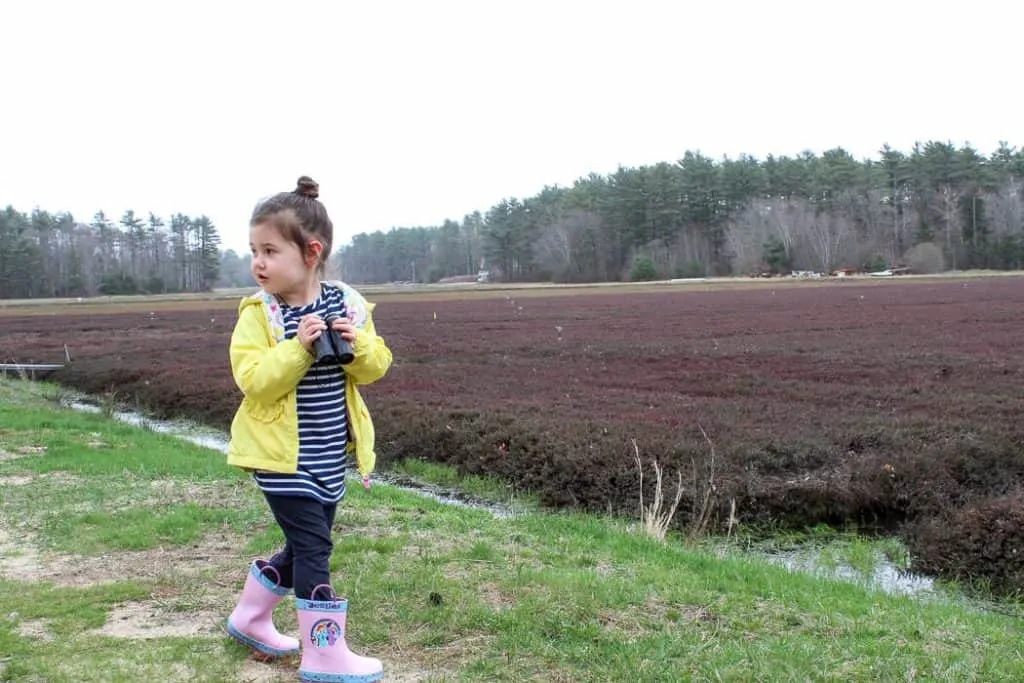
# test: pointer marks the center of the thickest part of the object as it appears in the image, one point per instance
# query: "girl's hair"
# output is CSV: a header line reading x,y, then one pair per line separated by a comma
x,y
299,217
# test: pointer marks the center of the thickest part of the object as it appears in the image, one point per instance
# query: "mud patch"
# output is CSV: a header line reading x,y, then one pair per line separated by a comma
x,y
432,543
396,674
22,562
18,561
395,671
402,664
22,452
146,620
58,477
653,612
414,665
495,598
207,494
262,672
35,629
607,569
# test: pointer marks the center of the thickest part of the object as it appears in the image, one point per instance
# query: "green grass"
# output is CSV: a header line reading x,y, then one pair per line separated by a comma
x,y
133,529
440,593
489,489
67,435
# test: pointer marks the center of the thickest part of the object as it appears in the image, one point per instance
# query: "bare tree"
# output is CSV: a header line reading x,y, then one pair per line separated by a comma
x,y
948,200
828,234
570,246
748,232
1005,209
553,250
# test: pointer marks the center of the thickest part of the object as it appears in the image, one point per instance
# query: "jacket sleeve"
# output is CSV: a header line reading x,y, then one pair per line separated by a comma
x,y
263,372
373,357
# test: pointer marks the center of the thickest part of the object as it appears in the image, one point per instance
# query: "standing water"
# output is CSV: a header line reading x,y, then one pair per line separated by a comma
x,y
816,560
218,441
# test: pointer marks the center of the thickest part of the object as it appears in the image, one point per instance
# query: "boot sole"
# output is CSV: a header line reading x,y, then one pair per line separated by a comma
x,y
315,677
260,651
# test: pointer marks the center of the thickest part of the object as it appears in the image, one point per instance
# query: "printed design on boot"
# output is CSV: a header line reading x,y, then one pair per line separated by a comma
x,y
325,633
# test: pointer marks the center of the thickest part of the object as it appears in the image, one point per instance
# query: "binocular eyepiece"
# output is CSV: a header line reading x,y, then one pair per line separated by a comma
x,y
330,348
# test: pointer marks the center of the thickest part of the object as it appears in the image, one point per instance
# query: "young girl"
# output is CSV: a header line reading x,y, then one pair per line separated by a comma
x,y
297,423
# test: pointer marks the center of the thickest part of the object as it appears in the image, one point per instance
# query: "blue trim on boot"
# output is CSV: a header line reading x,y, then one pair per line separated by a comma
x,y
267,582
339,605
340,678
257,645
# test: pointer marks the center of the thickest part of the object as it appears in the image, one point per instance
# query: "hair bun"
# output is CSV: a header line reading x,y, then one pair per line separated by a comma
x,y
307,187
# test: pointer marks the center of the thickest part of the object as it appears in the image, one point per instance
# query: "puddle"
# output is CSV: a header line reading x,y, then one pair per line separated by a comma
x,y
198,435
442,494
884,574
218,441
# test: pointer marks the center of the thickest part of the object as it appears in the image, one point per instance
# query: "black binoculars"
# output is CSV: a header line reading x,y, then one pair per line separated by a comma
x,y
330,348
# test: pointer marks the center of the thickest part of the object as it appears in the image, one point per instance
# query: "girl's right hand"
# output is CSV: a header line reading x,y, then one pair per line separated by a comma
x,y
310,329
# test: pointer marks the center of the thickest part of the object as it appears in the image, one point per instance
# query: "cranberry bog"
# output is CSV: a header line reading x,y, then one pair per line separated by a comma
x,y
890,405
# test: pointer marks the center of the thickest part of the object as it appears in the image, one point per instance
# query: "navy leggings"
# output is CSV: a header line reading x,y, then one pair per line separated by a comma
x,y
304,562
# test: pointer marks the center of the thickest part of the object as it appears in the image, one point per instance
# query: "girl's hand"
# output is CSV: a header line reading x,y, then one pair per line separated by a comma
x,y
310,329
346,329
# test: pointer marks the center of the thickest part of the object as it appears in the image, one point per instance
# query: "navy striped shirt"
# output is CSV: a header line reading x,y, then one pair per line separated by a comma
x,y
323,421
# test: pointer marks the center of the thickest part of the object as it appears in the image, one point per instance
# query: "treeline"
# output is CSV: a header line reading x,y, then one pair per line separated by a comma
x,y
53,255
938,206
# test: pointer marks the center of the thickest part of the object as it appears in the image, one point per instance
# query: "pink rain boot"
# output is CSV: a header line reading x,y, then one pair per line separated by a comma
x,y
325,655
251,622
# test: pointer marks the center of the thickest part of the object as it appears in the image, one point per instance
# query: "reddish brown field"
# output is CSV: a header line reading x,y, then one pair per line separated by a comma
x,y
892,405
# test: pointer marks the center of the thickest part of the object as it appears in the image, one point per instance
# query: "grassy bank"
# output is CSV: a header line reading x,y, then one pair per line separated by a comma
x,y
122,550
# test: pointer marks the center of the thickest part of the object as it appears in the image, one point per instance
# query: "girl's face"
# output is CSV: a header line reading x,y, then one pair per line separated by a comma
x,y
277,263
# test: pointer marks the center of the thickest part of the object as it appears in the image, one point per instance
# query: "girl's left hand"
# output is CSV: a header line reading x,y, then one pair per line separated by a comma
x,y
346,329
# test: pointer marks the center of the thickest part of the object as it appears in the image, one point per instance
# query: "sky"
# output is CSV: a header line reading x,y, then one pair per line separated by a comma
x,y
408,113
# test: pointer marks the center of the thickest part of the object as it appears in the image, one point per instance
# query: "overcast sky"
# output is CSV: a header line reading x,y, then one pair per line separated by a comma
x,y
408,113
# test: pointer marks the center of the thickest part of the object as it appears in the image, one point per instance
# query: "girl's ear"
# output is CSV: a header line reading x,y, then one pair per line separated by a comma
x,y
313,250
